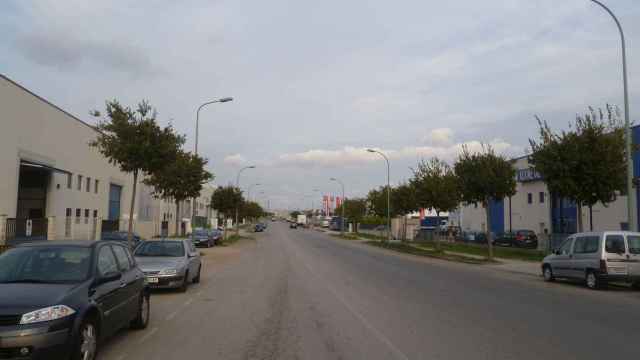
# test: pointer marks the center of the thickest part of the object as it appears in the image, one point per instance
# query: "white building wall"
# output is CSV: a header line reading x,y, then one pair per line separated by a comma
x,y
33,129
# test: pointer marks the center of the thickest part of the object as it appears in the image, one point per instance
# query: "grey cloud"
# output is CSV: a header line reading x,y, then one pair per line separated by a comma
x,y
67,52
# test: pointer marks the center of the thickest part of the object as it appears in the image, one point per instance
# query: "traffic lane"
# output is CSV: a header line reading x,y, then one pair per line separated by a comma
x,y
167,305
432,309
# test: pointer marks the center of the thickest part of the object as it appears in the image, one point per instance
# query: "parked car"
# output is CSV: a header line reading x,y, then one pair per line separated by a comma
x,y
203,237
216,234
596,258
64,297
526,239
505,239
121,236
474,237
293,225
169,263
259,227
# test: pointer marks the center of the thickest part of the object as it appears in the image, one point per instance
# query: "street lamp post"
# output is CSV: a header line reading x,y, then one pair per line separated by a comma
x,y
342,205
631,199
193,201
388,191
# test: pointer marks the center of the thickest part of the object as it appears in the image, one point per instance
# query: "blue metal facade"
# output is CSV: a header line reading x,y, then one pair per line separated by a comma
x,y
497,215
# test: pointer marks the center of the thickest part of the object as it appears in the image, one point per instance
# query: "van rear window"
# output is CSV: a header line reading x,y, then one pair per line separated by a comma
x,y
634,244
615,244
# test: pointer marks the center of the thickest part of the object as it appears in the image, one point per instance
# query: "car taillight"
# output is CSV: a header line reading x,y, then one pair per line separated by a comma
x,y
603,266
519,237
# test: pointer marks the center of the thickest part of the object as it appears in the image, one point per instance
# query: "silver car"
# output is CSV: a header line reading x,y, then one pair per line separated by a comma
x,y
597,258
169,264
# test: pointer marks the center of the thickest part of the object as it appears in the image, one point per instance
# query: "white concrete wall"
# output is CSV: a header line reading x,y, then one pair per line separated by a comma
x,y
35,130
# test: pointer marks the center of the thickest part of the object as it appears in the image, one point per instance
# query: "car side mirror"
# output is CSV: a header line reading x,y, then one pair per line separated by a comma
x,y
192,255
109,277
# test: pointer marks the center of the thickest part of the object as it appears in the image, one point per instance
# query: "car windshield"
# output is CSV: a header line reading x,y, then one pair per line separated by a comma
x,y
200,233
161,248
40,264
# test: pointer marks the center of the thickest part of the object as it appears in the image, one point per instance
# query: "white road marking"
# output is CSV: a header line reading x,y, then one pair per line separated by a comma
x,y
148,335
171,316
379,335
188,302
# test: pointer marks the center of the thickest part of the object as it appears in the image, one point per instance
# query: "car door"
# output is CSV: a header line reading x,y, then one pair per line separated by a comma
x,y
129,283
108,294
584,255
616,254
633,254
193,256
561,262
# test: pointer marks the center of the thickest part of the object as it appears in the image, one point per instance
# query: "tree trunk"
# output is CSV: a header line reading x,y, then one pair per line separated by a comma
x,y
579,215
177,234
489,244
404,228
131,208
590,217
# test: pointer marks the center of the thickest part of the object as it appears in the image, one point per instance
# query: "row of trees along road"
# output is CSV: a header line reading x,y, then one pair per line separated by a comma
x,y
226,199
131,139
586,164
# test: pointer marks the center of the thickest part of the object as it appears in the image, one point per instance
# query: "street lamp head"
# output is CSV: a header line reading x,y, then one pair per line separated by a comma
x,y
226,99
251,167
371,150
333,179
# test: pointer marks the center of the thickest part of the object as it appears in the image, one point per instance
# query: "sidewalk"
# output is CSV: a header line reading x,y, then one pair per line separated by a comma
x,y
519,267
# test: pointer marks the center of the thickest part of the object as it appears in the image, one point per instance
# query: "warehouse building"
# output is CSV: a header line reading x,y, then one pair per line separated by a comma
x,y
551,217
55,186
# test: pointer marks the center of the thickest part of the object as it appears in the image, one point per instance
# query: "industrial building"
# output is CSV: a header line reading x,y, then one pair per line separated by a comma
x,y
55,186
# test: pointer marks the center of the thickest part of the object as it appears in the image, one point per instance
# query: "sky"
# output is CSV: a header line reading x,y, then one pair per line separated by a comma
x,y
316,83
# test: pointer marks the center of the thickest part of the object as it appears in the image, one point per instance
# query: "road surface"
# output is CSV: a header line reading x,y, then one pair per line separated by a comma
x,y
301,294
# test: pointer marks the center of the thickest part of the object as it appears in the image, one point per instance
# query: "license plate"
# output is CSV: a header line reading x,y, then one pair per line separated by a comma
x,y
152,280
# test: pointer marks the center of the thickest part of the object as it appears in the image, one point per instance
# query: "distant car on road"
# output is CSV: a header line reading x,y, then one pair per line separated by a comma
x,y
203,237
59,300
121,236
169,263
293,225
597,258
259,227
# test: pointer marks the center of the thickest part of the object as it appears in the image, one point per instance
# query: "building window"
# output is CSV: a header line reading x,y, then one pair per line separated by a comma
x,y
88,184
69,180
541,197
95,213
80,182
69,212
78,214
529,198
96,186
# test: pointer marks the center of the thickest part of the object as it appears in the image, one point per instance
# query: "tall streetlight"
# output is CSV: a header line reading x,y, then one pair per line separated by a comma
x,y
342,205
313,206
193,201
631,199
238,187
249,190
388,191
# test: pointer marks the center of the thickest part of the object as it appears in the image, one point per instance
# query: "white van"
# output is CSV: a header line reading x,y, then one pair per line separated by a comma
x,y
597,258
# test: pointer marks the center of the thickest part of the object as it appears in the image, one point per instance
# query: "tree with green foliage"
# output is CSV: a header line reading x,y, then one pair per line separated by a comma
x,y
251,210
225,199
436,187
482,177
587,163
403,202
354,210
132,139
377,202
180,180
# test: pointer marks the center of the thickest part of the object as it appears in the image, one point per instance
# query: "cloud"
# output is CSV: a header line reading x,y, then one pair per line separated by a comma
x,y
234,160
358,156
67,52
439,137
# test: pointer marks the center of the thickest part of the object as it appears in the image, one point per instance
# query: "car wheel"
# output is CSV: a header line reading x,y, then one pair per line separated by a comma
x,y
196,280
185,282
144,309
87,347
593,282
547,273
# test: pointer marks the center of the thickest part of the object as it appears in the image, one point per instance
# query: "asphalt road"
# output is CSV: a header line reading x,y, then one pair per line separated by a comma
x,y
300,294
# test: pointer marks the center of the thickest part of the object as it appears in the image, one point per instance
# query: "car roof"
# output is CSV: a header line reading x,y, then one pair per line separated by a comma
x,y
76,243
